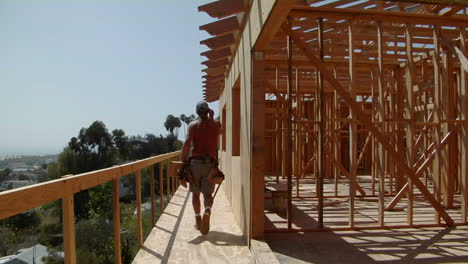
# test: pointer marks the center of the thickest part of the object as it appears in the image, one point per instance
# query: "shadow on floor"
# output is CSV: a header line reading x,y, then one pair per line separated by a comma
x,y
422,245
219,238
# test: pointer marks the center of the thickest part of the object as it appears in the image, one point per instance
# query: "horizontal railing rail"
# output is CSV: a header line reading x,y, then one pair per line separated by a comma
x,y
19,200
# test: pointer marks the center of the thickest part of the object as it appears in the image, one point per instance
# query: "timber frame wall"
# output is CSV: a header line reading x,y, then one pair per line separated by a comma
x,y
334,90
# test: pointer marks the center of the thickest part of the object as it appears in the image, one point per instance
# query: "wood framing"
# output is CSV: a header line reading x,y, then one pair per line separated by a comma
x,y
364,107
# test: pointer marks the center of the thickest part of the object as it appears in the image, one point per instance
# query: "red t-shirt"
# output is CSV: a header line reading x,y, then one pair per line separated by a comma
x,y
204,137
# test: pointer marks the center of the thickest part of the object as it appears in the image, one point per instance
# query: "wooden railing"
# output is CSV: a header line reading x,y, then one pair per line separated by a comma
x,y
23,199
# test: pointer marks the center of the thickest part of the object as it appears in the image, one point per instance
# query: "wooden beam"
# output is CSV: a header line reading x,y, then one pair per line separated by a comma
x,y
372,15
432,2
273,23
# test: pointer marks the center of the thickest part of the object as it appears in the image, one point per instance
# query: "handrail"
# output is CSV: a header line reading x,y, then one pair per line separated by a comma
x,y
19,200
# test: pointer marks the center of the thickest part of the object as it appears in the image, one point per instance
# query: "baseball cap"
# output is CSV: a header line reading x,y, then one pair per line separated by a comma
x,y
202,107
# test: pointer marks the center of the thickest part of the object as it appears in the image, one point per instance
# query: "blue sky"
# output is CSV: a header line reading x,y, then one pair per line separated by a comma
x,y
65,64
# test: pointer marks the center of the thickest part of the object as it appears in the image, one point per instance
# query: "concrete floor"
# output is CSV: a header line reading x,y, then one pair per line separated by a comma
x,y
409,245
175,240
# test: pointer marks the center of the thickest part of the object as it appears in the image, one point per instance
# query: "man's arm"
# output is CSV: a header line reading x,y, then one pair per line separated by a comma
x,y
218,124
187,143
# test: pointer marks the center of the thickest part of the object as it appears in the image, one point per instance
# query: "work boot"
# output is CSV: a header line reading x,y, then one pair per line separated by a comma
x,y
198,222
205,228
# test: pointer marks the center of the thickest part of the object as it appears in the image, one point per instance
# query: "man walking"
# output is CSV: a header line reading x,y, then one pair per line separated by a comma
x,y
200,151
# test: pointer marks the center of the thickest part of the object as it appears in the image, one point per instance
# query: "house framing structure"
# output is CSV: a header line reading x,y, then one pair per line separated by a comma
x,y
354,107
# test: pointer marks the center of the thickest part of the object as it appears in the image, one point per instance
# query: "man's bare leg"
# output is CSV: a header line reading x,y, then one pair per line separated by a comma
x,y
208,202
196,209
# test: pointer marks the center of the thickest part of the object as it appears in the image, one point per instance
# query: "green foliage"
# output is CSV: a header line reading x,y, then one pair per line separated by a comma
x,y
7,242
53,258
22,177
95,238
4,174
100,202
28,219
53,171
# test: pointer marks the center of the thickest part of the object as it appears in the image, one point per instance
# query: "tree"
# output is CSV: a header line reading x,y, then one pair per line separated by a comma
x,y
23,177
172,123
186,119
121,142
4,174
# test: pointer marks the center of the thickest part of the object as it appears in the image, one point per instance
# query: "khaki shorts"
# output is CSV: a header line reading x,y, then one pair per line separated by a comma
x,y
200,171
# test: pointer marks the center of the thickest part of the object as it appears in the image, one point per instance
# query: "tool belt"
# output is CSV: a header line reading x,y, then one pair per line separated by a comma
x,y
215,176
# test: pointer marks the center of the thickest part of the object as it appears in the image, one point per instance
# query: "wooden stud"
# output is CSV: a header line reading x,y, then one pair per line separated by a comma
x,y
463,139
321,134
410,130
289,155
352,129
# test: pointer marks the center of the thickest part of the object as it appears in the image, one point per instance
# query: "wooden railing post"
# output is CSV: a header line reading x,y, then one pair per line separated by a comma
x,y
68,212
161,187
116,207
153,206
138,205
168,186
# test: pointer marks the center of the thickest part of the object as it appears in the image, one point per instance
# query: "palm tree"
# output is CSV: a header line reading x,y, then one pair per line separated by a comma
x,y
172,123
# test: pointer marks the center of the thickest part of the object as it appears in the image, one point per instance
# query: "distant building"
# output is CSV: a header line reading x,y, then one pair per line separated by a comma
x,y
7,185
34,254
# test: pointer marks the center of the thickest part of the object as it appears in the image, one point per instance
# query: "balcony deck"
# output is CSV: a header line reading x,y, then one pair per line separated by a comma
x,y
174,239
